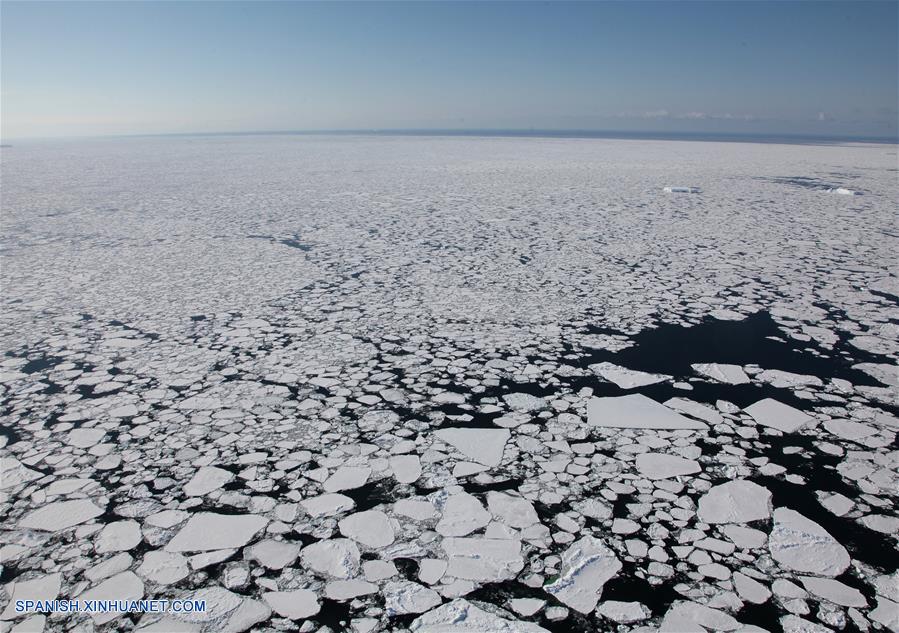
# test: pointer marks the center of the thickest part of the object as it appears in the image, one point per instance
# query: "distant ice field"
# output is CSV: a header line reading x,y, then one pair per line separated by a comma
x,y
376,383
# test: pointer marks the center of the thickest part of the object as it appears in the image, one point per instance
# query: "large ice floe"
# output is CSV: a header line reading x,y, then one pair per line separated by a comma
x,y
450,384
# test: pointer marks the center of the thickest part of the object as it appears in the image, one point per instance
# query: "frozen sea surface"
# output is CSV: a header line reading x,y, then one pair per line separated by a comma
x,y
450,384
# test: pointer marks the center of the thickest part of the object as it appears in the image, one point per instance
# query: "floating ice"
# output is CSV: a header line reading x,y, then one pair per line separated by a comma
x,y
802,545
624,377
681,189
664,466
298,604
730,374
40,588
206,480
776,415
60,515
483,559
636,411
208,531
587,565
347,478
124,586
402,597
338,558
371,528
461,616
484,446
462,514
737,501
327,505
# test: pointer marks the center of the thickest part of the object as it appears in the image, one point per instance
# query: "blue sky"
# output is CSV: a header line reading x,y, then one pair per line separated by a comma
x,y
818,68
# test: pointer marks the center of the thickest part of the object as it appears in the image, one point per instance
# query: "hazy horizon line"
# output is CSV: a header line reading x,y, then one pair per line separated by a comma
x,y
572,133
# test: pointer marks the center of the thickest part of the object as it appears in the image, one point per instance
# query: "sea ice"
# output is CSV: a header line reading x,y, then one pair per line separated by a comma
x,y
802,545
371,528
587,565
484,446
298,604
776,415
730,374
636,411
664,466
737,501
60,515
624,377
461,616
338,558
208,531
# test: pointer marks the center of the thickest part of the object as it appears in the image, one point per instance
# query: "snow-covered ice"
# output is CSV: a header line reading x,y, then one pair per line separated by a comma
x,y
450,384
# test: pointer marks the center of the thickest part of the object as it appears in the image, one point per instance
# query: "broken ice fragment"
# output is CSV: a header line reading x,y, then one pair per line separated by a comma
x,y
586,566
737,501
626,378
484,446
293,605
802,545
371,528
60,515
337,557
210,531
665,466
461,616
403,596
347,478
636,411
776,415
730,374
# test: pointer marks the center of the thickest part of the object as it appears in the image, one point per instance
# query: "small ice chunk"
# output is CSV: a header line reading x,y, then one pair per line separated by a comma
x,y
730,374
205,480
737,501
514,511
337,557
636,411
626,378
524,402
802,545
403,596
85,438
125,586
484,446
60,515
163,568
349,589
207,531
623,612
683,617
118,536
406,468
327,505
834,591
462,514
347,478
665,466
273,554
371,528
749,589
483,559
293,605
681,189
461,616
39,588
586,566
777,415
